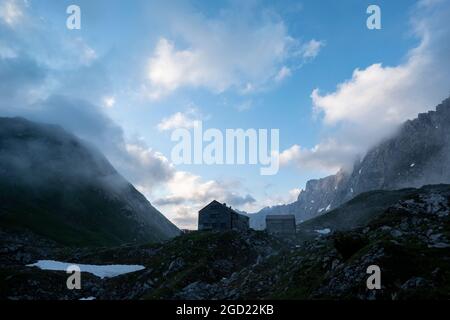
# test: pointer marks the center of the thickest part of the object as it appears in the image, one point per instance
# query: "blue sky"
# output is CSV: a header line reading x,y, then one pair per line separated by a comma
x,y
139,69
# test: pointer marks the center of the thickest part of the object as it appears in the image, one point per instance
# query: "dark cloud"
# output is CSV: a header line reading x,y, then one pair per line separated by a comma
x,y
169,201
87,121
238,200
229,198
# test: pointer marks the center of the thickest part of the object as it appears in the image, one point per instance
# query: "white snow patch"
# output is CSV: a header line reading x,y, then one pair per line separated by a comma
x,y
360,170
328,207
312,201
351,190
88,298
320,210
101,271
412,165
323,231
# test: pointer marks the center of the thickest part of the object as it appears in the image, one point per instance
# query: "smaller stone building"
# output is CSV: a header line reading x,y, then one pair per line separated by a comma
x,y
283,225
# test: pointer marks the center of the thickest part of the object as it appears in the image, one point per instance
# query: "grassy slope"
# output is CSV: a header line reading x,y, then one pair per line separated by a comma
x,y
59,187
68,217
357,212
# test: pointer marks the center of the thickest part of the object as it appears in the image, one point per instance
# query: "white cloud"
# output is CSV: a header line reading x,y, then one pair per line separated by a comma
x,y
11,12
293,195
241,50
170,69
85,54
178,120
145,156
328,156
145,166
190,187
109,101
27,31
283,73
376,100
88,55
311,49
377,95
271,199
244,105
289,155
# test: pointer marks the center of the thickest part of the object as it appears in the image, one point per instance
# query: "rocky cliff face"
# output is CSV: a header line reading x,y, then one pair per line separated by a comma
x,y
57,186
417,155
319,196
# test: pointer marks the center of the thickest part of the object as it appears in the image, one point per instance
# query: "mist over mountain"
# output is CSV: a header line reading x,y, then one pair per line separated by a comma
x,y
417,155
62,188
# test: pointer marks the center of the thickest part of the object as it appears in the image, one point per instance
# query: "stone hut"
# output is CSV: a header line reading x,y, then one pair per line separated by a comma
x,y
217,216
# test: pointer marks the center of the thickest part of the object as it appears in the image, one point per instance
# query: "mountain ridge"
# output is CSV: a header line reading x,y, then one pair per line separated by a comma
x,y
60,187
416,155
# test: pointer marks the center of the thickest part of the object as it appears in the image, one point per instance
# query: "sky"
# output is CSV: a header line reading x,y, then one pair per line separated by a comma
x,y
138,70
